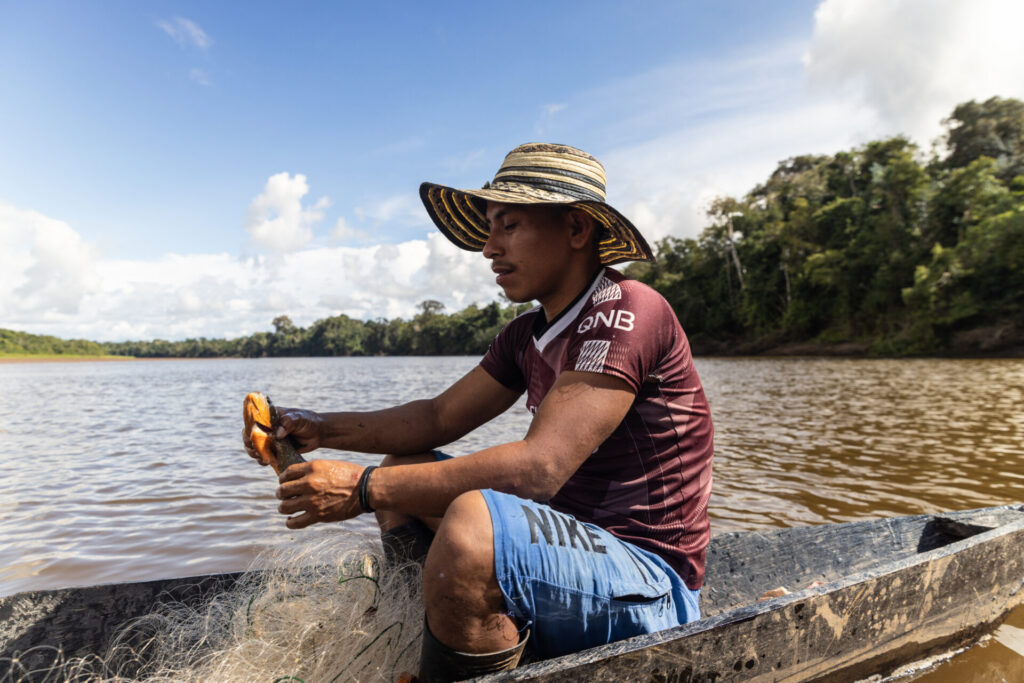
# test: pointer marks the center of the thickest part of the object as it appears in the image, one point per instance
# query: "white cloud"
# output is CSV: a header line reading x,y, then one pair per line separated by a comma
x,y
872,69
547,114
277,219
48,269
671,139
723,127
185,32
913,61
665,185
343,232
53,282
401,209
388,280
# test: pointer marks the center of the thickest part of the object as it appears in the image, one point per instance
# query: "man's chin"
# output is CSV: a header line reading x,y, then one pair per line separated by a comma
x,y
516,297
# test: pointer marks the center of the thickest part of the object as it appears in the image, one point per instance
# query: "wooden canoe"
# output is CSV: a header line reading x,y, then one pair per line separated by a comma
x,y
893,591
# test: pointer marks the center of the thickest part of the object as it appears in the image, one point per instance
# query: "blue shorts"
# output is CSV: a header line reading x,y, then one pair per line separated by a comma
x,y
576,585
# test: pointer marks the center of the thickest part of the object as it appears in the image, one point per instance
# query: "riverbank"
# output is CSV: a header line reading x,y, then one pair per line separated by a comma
x,y
722,350
57,358
1004,340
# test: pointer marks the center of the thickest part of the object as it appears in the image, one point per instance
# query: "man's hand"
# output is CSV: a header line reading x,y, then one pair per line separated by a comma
x,y
305,426
321,490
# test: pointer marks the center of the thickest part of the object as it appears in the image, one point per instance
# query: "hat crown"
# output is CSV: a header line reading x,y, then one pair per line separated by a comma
x,y
537,173
552,167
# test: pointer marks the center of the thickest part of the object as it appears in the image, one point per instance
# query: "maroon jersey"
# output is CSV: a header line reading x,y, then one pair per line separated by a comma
x,y
650,481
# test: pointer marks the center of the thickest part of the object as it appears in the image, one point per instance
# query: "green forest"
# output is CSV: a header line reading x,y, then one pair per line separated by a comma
x,y
431,332
14,343
882,247
885,249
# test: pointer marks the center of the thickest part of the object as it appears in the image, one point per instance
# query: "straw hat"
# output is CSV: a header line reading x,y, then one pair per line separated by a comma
x,y
537,173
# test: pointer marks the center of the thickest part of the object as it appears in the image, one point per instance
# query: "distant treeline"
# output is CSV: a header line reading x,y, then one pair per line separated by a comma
x,y
881,248
23,343
876,246
431,332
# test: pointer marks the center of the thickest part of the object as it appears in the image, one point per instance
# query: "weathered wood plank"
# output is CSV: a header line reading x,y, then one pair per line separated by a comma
x,y
909,604
38,626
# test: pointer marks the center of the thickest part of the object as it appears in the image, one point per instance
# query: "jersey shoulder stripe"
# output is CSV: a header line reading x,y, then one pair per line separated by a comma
x,y
592,356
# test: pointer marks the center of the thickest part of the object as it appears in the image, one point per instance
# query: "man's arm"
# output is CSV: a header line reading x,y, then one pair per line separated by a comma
x,y
419,426
412,427
579,413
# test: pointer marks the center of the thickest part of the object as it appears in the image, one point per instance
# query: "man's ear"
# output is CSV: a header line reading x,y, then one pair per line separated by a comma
x,y
582,228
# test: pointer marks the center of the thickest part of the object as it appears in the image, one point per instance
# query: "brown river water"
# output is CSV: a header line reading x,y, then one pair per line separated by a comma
x,y
119,471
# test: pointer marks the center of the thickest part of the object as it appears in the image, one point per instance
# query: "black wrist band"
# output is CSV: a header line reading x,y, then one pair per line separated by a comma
x,y
364,488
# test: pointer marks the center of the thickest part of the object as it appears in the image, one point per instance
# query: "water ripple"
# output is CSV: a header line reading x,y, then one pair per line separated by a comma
x,y
133,470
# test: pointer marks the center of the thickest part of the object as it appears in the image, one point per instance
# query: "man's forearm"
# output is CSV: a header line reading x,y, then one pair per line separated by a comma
x,y
426,489
409,428
419,426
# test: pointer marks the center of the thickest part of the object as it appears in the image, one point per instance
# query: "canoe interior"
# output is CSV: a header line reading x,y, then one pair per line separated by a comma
x,y
741,566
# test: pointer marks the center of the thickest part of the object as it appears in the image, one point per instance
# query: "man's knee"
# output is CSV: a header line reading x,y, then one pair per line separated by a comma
x,y
464,605
466,525
465,540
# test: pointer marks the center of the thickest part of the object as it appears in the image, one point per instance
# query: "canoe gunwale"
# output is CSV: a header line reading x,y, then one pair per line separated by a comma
x,y
568,667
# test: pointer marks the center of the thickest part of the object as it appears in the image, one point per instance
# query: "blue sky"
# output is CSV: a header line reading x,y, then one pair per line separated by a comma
x,y
163,164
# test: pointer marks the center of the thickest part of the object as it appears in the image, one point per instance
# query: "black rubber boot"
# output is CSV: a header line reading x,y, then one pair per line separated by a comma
x,y
406,543
441,664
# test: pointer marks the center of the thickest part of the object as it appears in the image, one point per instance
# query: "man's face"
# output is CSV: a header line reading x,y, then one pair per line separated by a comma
x,y
528,248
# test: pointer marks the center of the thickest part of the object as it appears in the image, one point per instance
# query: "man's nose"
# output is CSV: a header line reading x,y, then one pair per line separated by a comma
x,y
492,246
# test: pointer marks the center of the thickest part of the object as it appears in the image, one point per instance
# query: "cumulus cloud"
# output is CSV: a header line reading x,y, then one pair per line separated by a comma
x,y
48,269
912,61
53,282
388,280
277,218
185,32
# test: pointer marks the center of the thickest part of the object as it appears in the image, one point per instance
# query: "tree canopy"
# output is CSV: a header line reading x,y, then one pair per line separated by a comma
x,y
875,245
428,333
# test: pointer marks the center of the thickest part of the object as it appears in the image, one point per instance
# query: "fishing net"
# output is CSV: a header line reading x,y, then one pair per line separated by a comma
x,y
309,615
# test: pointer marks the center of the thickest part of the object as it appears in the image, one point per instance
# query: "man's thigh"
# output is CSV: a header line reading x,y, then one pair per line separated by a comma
x,y
575,584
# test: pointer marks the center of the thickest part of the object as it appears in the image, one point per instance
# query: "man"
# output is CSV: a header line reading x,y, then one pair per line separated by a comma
x,y
590,529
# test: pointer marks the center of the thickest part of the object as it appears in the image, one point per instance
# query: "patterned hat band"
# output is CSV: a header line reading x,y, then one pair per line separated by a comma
x,y
537,173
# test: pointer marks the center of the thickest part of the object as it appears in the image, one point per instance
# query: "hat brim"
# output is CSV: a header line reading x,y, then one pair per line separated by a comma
x,y
459,219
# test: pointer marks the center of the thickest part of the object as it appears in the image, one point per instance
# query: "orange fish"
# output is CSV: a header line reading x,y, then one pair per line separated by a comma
x,y
261,422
